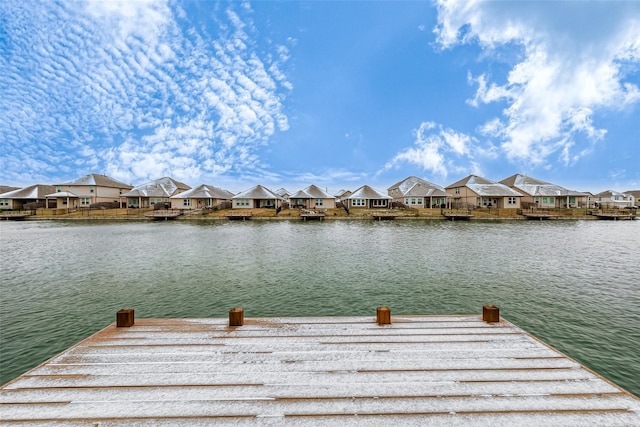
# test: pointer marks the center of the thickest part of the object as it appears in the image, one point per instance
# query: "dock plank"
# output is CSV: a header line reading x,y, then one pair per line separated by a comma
x,y
420,370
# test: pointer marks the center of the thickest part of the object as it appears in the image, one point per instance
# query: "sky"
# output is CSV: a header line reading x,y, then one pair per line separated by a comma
x,y
333,93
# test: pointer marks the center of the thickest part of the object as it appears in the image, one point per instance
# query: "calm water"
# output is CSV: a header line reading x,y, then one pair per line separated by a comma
x,y
573,284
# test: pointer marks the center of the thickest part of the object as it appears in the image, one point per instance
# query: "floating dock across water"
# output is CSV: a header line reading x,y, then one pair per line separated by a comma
x,y
383,370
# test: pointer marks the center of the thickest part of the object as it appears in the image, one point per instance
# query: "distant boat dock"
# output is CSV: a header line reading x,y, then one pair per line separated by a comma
x,y
163,214
378,370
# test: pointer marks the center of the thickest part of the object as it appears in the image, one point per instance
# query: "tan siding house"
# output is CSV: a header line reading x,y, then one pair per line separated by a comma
x,y
17,198
157,191
418,193
367,197
312,197
544,195
612,199
93,188
257,197
475,191
201,197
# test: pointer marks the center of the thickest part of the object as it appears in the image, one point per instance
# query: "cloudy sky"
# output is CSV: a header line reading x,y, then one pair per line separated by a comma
x,y
337,94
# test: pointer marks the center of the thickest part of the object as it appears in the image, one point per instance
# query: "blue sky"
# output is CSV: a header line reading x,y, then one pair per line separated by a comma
x,y
337,94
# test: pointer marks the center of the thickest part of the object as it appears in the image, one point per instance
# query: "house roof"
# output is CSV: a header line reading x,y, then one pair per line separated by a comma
x,y
204,191
257,192
610,193
98,180
366,192
408,183
536,187
341,193
62,194
282,192
161,187
484,187
36,191
312,192
429,190
7,188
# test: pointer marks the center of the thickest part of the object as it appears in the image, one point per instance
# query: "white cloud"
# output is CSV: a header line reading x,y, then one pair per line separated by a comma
x,y
138,89
572,63
438,150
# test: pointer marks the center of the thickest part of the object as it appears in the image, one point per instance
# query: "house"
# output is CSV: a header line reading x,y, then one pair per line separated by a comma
x,y
475,191
367,197
541,194
312,197
148,194
612,199
16,199
201,197
418,193
89,189
636,196
257,197
284,193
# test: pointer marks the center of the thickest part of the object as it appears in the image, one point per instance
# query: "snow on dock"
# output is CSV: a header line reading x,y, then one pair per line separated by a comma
x,y
415,370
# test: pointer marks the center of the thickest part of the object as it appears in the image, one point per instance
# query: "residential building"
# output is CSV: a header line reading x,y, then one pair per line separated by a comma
x,y
367,197
257,197
284,193
89,189
201,197
612,199
416,192
157,191
312,197
476,191
544,195
16,199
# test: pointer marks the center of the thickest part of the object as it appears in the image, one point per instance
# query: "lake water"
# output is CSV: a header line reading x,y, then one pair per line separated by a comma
x,y
574,284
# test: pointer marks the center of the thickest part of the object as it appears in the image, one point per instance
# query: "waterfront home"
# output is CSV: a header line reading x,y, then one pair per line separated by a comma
x,y
284,193
201,197
312,197
257,197
612,199
17,198
416,192
367,197
342,195
636,196
476,191
157,191
544,195
92,188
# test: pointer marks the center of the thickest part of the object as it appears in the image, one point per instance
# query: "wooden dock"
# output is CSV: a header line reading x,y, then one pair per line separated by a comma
x,y
415,371
614,216
166,215
14,216
454,216
383,216
540,216
305,215
238,216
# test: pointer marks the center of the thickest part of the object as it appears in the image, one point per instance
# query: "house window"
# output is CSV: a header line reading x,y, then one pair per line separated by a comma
x,y
544,200
186,202
4,202
457,190
58,188
91,189
512,200
242,202
358,202
552,199
413,201
318,202
537,200
406,200
379,202
419,200
85,201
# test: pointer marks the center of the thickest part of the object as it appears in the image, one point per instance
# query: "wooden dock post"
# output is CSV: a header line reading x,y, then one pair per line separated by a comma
x,y
490,313
383,315
236,316
125,318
